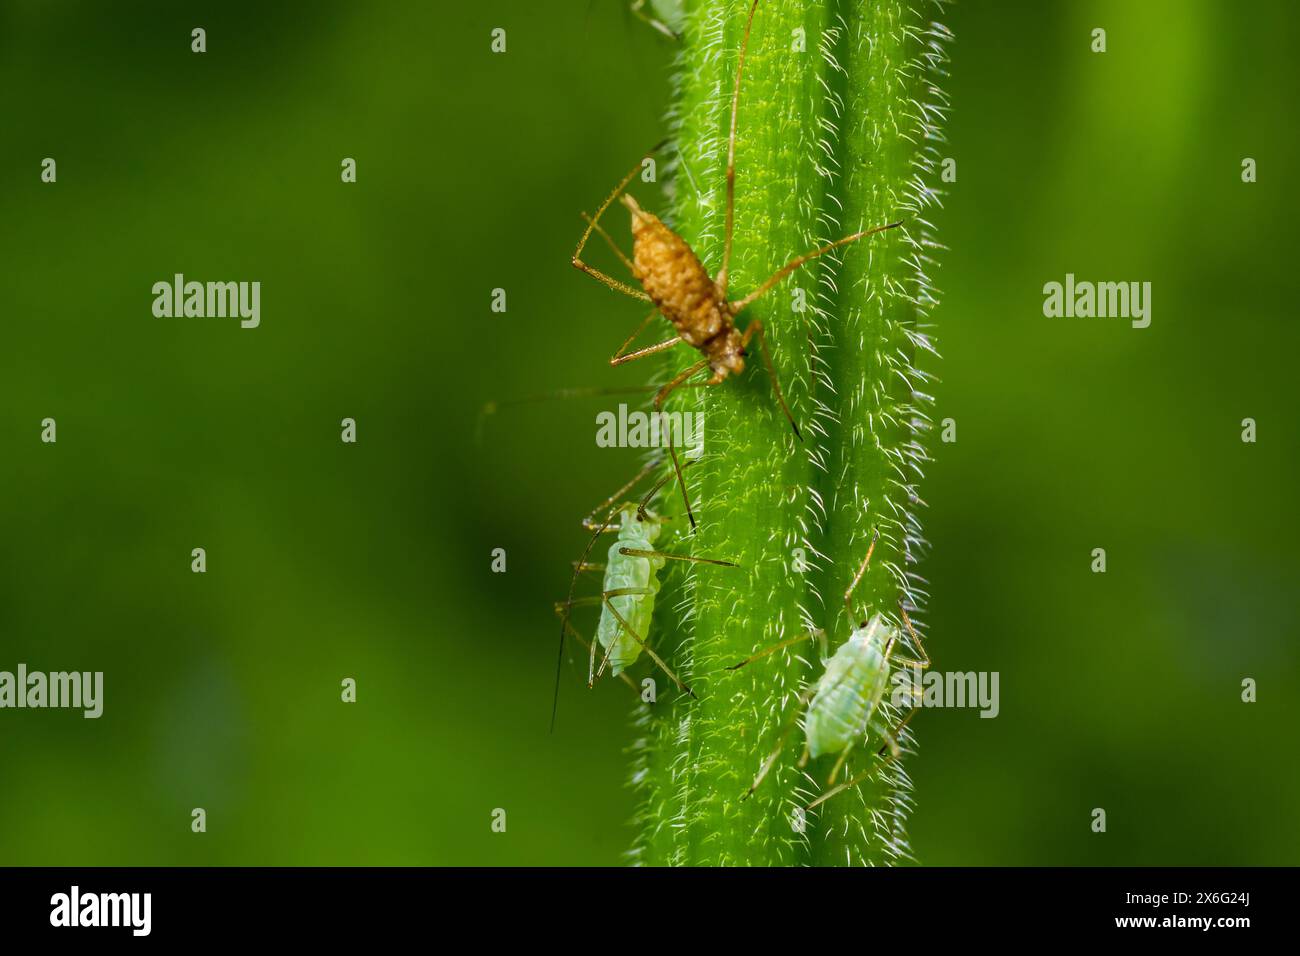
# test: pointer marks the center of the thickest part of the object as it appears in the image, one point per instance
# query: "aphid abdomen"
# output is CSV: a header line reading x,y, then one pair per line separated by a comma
x,y
623,571
675,279
848,693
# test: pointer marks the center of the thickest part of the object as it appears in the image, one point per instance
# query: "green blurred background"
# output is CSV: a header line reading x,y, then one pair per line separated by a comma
x,y
372,560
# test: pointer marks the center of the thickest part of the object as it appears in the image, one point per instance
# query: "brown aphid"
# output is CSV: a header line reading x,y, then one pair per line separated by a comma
x,y
683,292
674,280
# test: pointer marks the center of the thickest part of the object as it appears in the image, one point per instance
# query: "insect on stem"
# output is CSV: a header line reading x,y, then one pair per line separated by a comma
x,y
676,282
630,585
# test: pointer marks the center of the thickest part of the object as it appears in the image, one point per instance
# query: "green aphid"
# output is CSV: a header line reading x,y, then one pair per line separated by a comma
x,y
844,701
628,592
850,690
632,577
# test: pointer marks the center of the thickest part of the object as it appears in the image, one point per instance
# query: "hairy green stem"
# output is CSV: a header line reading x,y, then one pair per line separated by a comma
x,y
833,138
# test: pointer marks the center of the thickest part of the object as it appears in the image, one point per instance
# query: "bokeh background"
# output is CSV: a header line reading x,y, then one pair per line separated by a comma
x,y
372,560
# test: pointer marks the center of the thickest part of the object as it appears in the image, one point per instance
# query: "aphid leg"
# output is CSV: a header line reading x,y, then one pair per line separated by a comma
x,y
641,511
891,736
594,673
590,645
835,771
640,553
650,496
797,261
563,608
804,757
847,784
622,356
857,578
616,592
819,633
591,664
894,751
638,11
721,281
755,327
840,789
609,651
599,672
663,394
588,567
591,226
793,722
916,640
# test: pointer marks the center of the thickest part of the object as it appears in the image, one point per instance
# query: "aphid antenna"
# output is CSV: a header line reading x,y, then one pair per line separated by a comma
x,y
731,157
609,241
642,553
493,406
592,225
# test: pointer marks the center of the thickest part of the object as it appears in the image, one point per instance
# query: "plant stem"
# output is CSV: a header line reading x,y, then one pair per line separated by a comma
x,y
832,139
